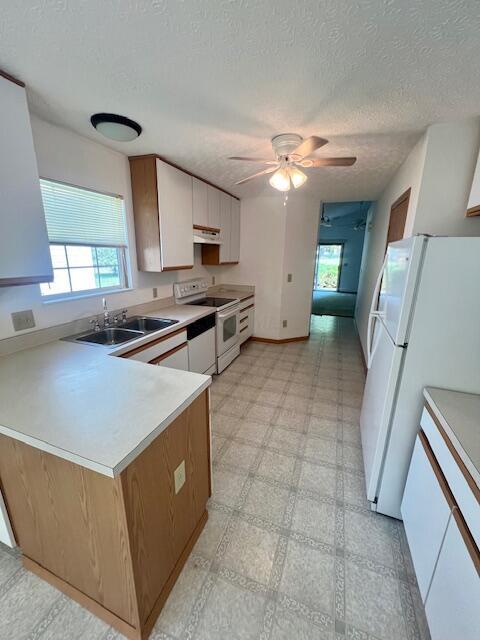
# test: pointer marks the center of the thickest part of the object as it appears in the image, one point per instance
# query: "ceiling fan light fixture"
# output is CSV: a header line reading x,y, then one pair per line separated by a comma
x,y
297,177
115,127
280,180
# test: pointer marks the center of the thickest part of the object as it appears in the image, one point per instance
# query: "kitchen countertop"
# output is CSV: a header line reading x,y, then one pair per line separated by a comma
x,y
459,415
230,291
75,401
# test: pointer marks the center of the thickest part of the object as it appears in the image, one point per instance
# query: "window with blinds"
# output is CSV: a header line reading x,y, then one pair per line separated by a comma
x,y
88,240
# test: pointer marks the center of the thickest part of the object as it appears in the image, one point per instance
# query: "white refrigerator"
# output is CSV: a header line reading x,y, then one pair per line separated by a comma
x,y
424,330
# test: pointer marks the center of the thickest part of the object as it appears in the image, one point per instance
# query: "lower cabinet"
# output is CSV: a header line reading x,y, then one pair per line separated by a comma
x,y
247,319
426,499
175,359
453,601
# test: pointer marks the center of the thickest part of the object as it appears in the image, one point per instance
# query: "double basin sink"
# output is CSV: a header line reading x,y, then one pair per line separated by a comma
x,y
132,329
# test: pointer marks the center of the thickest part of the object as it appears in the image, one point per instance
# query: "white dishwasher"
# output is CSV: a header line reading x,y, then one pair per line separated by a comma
x,y
201,345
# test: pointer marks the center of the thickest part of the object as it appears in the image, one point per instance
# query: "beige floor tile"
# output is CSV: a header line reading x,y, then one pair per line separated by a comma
x,y
318,478
267,501
315,519
277,467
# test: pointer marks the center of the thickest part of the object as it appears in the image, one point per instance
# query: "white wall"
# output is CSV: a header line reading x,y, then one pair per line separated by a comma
x,y
352,252
409,175
65,156
452,151
301,230
439,171
277,240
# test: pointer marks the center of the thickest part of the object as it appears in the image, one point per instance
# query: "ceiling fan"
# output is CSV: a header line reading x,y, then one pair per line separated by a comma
x,y
292,151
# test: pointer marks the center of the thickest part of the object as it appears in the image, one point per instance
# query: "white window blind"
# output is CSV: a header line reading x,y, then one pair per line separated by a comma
x,y
80,216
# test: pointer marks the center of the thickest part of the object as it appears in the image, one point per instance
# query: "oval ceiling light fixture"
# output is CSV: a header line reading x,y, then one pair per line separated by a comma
x,y
116,127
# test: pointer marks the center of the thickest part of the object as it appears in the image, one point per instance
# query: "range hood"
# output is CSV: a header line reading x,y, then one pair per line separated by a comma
x,y
205,236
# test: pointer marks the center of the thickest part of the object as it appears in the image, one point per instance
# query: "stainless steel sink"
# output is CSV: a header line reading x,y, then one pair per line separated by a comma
x,y
147,325
110,336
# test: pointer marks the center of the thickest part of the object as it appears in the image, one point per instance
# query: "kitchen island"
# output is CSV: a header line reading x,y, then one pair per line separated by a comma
x,y
105,472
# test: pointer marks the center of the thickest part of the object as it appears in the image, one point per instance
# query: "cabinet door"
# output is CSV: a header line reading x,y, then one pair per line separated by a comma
x,y
452,605
177,360
225,226
200,203
24,248
235,231
175,216
425,511
213,202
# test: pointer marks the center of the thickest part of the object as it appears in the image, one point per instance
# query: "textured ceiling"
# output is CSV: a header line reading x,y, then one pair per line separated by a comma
x,y
216,78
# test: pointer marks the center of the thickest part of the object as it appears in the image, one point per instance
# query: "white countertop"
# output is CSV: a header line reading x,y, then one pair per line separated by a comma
x,y
79,403
459,415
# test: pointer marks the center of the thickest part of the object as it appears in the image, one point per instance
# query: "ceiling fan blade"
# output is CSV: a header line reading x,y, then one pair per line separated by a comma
x,y
260,173
327,162
308,146
262,160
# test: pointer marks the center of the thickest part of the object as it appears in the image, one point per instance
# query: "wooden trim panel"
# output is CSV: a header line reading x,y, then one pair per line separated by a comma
x,y
467,538
179,268
152,343
280,341
7,76
202,228
465,472
473,211
442,481
172,164
168,353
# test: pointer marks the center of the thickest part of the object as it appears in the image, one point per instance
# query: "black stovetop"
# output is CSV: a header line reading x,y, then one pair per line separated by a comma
x,y
213,302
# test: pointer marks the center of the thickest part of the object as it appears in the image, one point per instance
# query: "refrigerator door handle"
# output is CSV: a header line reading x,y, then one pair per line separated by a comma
x,y
374,313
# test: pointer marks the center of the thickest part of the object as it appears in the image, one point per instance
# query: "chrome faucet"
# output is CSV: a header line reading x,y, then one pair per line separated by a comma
x,y
106,314
124,315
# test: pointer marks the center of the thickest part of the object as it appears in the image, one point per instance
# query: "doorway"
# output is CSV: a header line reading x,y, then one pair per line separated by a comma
x,y
328,266
339,254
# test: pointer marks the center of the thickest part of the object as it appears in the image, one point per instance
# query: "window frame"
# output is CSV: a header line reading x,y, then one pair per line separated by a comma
x,y
122,253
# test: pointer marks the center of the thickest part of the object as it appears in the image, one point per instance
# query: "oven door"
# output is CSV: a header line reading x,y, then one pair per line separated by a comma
x,y
228,330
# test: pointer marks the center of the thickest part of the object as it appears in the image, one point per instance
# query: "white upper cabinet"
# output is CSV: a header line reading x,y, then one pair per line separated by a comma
x,y
24,248
174,188
225,226
235,231
213,202
200,203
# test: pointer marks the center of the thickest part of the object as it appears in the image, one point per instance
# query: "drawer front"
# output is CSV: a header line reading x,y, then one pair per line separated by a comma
x,y
426,509
245,304
451,466
452,605
175,359
146,353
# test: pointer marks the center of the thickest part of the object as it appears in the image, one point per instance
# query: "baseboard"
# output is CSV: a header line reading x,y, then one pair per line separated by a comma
x,y
280,341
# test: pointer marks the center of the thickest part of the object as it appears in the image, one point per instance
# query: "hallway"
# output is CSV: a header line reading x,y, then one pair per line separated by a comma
x,y
333,303
291,548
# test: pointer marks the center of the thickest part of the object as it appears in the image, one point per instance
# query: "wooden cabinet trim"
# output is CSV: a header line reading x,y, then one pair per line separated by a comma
x,y
179,268
7,76
473,211
203,228
176,166
152,343
467,538
465,472
158,359
442,481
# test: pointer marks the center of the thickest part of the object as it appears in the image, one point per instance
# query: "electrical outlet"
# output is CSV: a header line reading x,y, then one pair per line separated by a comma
x,y
213,280
289,277
179,476
155,292
23,320
284,324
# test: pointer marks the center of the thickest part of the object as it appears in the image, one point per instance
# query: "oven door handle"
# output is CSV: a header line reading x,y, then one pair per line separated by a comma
x,y
228,313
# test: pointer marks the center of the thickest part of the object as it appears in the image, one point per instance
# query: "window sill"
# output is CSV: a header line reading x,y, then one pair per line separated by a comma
x,y
81,296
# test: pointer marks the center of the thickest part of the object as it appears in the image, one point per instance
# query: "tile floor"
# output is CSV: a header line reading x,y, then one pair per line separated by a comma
x,y
291,549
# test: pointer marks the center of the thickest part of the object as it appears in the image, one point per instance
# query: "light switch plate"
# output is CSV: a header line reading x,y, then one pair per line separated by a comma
x,y
289,277
23,320
284,324
155,292
179,476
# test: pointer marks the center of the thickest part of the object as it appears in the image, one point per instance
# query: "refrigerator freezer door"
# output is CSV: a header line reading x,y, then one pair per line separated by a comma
x,y
378,401
397,293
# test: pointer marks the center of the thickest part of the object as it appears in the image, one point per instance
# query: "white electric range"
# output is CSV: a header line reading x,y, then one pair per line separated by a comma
x,y
227,311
